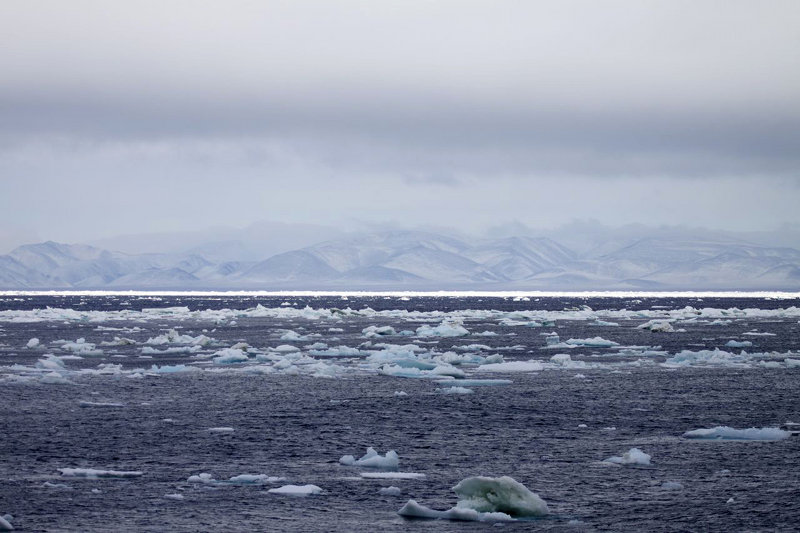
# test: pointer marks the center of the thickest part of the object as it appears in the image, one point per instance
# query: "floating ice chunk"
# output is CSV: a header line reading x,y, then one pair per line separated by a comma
x,y
51,362
412,509
672,485
503,494
662,326
119,341
404,393
594,342
294,336
448,370
228,356
792,363
5,523
81,347
390,491
340,351
285,348
478,382
486,334
473,348
634,456
378,331
447,328
485,499
373,459
33,343
730,500
58,486
173,496
552,339
729,433
296,490
83,403
455,390
714,357
204,478
54,378
173,337
759,334
93,473
171,369
149,350
513,366
400,372
254,479
603,323
221,430
392,475
738,344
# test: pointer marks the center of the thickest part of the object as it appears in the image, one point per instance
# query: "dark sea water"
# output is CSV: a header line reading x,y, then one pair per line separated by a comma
x,y
294,414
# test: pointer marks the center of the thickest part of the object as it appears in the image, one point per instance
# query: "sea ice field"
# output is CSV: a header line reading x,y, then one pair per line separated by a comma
x,y
145,412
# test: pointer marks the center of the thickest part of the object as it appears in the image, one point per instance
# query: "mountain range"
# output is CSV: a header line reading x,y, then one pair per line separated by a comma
x,y
415,260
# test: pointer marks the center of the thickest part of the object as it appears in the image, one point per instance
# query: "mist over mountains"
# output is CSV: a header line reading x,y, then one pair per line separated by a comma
x,y
583,256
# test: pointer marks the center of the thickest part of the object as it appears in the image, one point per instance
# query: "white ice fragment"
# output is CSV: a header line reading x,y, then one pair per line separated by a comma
x,y
93,473
455,390
738,344
5,523
404,393
254,479
222,429
634,456
378,331
33,343
593,342
204,478
228,356
729,433
485,499
513,366
447,328
662,326
672,485
84,403
392,475
54,378
372,459
297,490
173,496
390,491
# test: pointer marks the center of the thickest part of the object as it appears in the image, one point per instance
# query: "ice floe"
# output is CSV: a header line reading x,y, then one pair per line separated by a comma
x,y
729,433
634,456
94,473
485,499
296,490
372,459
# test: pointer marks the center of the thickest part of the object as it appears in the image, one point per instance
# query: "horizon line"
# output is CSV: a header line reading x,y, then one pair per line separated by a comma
x,y
782,295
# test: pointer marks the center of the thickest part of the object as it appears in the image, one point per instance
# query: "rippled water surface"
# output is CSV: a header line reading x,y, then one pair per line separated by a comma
x,y
293,414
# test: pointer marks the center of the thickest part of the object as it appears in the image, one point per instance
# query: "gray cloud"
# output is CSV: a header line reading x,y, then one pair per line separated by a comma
x,y
318,111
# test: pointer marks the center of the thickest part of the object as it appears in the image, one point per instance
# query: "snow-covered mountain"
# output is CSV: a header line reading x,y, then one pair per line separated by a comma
x,y
417,260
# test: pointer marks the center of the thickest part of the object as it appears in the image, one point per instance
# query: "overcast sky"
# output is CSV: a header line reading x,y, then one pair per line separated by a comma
x,y
125,117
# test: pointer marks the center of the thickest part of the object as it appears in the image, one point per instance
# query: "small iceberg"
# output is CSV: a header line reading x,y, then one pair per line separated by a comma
x,y
296,490
729,433
372,459
392,475
93,473
634,456
485,499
